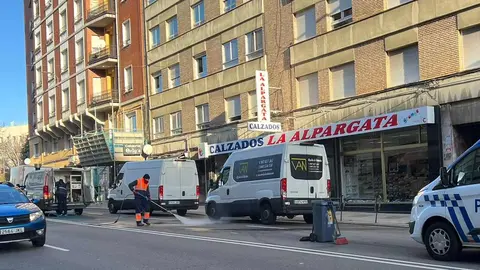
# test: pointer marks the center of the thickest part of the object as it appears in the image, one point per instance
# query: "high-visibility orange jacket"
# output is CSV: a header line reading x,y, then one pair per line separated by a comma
x,y
140,186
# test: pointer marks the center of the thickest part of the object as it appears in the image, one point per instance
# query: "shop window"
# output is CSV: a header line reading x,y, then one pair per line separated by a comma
x,y
401,137
406,173
362,176
362,142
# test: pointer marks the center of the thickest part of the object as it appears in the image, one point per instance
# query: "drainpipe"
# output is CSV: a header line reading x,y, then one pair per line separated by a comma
x,y
146,118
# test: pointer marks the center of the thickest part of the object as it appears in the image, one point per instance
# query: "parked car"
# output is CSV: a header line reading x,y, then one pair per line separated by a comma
x,y
20,219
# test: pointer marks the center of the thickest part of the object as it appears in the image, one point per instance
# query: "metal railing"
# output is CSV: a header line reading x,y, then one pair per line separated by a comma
x,y
104,97
100,10
102,54
349,201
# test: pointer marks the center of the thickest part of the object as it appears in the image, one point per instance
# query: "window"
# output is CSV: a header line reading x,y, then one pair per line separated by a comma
x,y
201,66
305,24
176,123
36,150
203,117
38,77
252,104
394,3
229,5
234,112
65,100
64,61
131,122
79,54
51,106
257,168
127,79
172,26
63,22
158,125
81,92
404,66
157,82
49,32
306,167
50,71
151,1
174,74
471,41
40,111
341,12
230,54
254,44
77,10
55,146
36,9
48,3
308,90
37,41
343,81
126,33
154,37
198,13
466,172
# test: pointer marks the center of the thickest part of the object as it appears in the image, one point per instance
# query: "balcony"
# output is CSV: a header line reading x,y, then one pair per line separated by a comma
x,y
103,59
106,97
101,15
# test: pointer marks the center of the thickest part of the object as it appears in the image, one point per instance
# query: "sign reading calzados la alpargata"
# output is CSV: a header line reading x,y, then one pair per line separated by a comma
x,y
401,119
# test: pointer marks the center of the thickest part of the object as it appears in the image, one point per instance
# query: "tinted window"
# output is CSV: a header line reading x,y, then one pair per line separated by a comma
x,y
306,167
12,196
462,174
257,168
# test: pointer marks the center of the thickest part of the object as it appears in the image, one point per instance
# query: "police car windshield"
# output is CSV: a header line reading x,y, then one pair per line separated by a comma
x,y
12,196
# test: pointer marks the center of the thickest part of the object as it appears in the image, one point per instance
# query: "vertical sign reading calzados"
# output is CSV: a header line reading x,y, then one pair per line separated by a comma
x,y
263,96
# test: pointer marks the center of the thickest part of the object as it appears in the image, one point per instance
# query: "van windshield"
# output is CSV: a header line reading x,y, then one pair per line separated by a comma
x,y
306,167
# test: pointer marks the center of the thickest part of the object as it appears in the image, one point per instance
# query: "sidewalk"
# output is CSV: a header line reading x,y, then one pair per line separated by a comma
x,y
359,218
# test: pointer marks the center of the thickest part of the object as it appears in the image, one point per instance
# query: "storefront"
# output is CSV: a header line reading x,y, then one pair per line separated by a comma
x,y
389,157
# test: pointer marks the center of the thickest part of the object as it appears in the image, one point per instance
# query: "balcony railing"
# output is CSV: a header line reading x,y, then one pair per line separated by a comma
x,y
100,10
104,97
102,54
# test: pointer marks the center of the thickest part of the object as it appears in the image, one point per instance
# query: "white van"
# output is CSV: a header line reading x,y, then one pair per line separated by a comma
x,y
446,213
173,185
271,181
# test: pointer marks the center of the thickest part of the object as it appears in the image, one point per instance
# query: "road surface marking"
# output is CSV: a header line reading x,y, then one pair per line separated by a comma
x,y
378,260
265,227
57,248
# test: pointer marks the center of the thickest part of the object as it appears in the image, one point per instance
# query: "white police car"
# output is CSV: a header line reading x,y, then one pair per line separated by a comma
x,y
446,213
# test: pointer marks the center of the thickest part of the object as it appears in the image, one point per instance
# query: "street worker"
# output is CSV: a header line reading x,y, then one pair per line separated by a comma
x,y
61,194
141,191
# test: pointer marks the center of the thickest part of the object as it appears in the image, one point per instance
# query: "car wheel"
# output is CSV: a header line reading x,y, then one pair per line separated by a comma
x,y
442,242
267,216
58,212
290,216
111,208
39,242
182,212
308,218
212,211
79,212
255,218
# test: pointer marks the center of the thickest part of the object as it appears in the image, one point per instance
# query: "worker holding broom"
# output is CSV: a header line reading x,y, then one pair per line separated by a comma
x,y
141,191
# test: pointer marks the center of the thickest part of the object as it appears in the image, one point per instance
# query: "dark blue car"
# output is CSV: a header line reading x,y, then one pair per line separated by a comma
x,y
20,220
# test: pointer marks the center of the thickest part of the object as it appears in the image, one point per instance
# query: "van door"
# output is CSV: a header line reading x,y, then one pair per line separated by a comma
x,y
297,181
317,168
87,188
189,181
466,194
171,182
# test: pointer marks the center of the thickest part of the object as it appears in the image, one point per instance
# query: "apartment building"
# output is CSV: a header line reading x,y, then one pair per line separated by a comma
x,y
390,87
86,80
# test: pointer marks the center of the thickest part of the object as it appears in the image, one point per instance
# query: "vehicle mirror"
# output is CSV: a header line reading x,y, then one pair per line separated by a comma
x,y
444,176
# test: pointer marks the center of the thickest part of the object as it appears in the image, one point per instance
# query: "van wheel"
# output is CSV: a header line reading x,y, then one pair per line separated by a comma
x,y
111,208
78,212
308,218
58,212
267,216
290,216
182,212
442,242
255,218
212,211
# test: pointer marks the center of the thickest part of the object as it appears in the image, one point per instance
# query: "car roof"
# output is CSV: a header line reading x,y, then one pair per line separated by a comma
x,y
4,186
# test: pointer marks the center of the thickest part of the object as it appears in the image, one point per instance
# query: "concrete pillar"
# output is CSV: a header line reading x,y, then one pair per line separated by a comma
x,y
452,140
107,40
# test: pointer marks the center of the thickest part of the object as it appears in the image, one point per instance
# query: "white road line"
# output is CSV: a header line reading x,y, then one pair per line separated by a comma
x,y
265,227
378,260
57,248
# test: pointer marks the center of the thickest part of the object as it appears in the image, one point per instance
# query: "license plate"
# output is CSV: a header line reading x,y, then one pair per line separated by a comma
x,y
300,202
12,231
76,186
173,202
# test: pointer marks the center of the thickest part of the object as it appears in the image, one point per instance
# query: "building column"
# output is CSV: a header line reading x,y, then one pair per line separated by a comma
x,y
450,137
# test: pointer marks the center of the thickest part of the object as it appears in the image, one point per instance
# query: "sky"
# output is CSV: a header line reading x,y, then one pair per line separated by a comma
x,y
13,93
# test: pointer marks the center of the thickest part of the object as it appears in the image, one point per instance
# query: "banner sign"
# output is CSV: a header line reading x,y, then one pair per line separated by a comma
x,y
263,96
401,119
265,126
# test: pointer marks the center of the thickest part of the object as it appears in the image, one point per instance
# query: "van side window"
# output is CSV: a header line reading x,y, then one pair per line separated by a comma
x,y
306,167
260,168
464,171
225,174
476,168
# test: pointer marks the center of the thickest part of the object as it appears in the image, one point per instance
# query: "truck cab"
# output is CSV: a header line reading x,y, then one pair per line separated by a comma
x,y
445,216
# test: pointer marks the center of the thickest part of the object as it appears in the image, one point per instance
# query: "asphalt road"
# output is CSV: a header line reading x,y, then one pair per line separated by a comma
x,y
75,242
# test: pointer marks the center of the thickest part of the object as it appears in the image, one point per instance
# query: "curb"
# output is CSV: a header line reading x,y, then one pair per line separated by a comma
x,y
374,224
